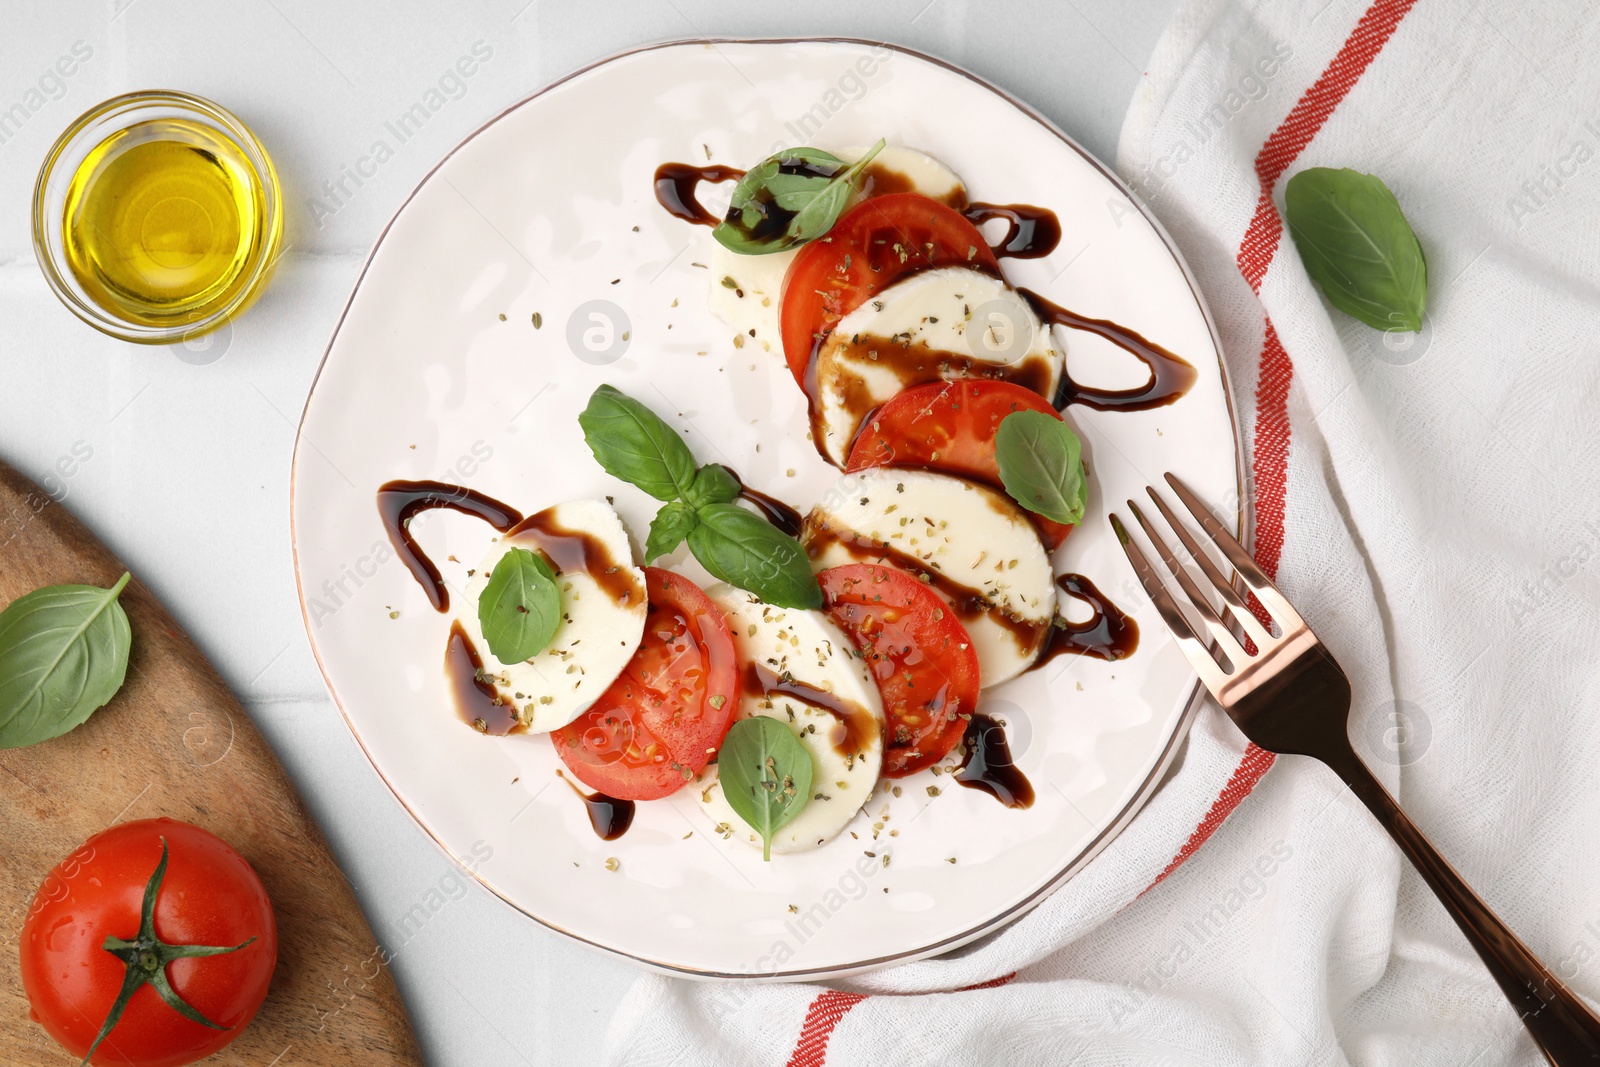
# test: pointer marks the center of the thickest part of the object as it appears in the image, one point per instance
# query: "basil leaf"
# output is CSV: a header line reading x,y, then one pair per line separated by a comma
x,y
817,217
765,773
520,608
714,484
770,194
742,548
1358,247
63,654
788,199
632,443
1041,465
667,531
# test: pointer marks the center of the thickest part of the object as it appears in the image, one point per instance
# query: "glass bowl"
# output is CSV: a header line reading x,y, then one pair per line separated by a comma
x,y
90,131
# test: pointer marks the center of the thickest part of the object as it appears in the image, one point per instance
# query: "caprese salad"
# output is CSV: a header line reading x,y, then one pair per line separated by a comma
x,y
832,652
813,667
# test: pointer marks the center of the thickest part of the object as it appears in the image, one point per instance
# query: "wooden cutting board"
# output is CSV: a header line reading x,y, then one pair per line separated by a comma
x,y
175,742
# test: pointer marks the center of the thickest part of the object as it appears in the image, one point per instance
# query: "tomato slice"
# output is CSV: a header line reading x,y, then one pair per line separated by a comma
x,y
919,653
663,718
874,243
950,426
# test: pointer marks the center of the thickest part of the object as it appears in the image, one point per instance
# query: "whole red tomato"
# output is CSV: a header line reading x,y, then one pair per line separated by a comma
x,y
208,896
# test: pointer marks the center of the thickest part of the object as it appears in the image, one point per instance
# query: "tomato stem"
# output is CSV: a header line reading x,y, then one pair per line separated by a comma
x,y
147,956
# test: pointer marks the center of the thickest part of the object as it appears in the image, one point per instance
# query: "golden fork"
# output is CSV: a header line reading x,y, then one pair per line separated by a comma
x,y
1289,696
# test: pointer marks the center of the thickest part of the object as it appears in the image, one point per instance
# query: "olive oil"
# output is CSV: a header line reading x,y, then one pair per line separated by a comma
x,y
165,222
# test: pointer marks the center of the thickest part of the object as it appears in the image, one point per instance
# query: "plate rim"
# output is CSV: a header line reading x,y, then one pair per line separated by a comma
x,y
1244,528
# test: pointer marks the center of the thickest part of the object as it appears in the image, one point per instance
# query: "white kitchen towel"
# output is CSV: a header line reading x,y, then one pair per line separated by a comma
x,y
1429,502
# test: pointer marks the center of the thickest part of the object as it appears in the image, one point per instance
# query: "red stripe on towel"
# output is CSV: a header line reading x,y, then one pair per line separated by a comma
x,y
831,1005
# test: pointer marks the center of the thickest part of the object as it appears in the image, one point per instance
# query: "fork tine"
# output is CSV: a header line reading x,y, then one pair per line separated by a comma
x,y
1199,655
1240,610
1219,630
1276,603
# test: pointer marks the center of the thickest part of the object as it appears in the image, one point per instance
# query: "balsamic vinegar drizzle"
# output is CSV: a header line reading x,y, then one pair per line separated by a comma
x,y
988,764
857,725
880,179
400,501
1031,232
775,511
1171,375
785,517
609,816
1107,635
478,703
676,185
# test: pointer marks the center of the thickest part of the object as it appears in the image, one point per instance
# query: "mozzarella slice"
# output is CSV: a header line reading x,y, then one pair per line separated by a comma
x,y
982,554
942,324
789,649
603,609
898,169
751,302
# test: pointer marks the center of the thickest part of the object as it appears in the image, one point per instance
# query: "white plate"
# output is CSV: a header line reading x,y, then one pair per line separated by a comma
x,y
435,371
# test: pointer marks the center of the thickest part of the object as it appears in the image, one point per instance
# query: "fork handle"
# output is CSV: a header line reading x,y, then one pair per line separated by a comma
x,y
1562,1025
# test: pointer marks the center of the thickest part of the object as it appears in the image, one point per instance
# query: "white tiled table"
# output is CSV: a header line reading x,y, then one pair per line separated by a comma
x,y
188,477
